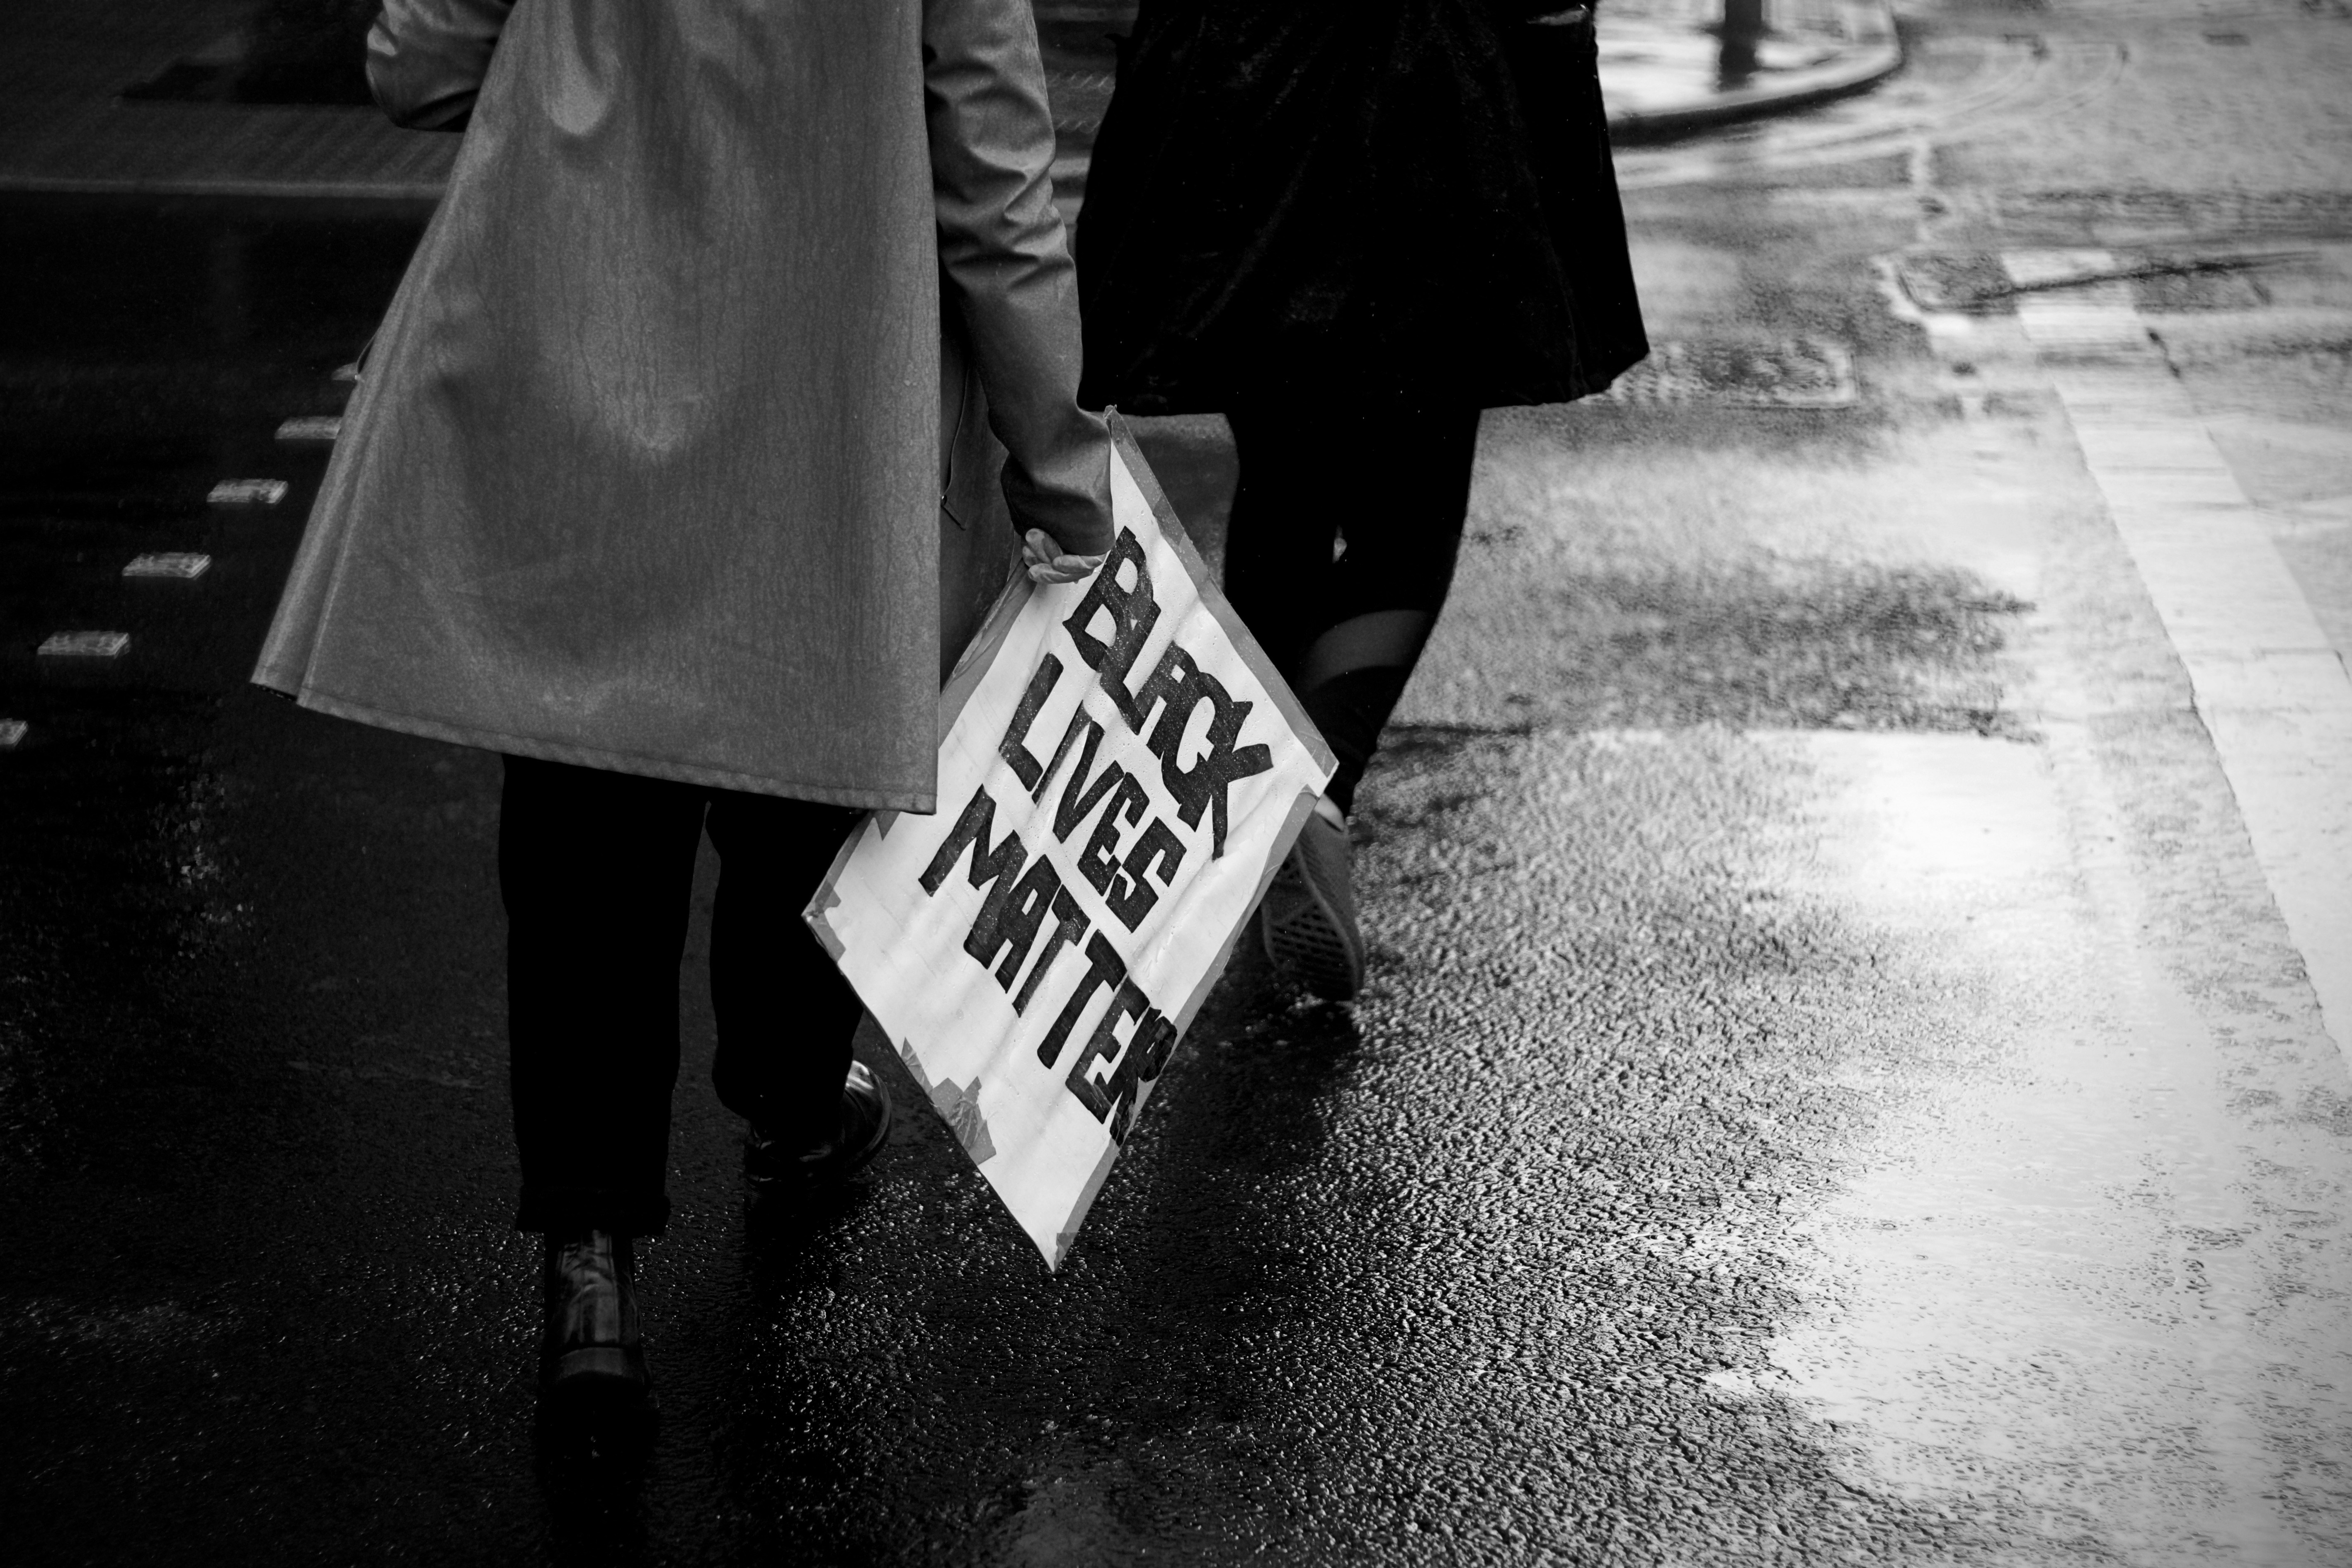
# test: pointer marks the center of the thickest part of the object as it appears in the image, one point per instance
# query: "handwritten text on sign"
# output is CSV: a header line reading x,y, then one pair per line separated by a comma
x,y
1120,777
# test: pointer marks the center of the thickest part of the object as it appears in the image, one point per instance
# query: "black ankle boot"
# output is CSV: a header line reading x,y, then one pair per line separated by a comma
x,y
860,1128
595,1355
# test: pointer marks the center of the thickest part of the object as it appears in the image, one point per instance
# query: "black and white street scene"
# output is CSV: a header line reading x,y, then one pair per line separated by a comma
x,y
1198,781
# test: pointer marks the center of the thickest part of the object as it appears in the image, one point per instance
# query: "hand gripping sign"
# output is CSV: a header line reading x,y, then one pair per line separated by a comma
x,y
1121,772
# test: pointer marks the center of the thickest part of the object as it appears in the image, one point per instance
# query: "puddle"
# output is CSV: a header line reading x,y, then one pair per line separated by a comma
x,y
1797,372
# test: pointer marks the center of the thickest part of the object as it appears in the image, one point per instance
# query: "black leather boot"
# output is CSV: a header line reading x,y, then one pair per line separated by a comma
x,y
773,1161
593,1357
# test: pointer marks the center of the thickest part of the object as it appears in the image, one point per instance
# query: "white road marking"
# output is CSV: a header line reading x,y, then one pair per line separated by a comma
x,y
85,645
2271,691
247,493
311,427
12,732
181,565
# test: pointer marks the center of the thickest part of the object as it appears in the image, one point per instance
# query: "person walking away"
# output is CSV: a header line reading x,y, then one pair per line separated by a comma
x,y
1350,225
701,368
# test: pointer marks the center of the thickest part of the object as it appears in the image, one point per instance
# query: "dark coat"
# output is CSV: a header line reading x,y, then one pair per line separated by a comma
x,y
1406,199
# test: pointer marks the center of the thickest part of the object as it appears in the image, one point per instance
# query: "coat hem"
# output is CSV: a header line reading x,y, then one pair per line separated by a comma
x,y
915,802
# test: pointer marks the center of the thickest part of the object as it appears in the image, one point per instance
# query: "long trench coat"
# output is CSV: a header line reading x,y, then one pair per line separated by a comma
x,y
1404,200
662,444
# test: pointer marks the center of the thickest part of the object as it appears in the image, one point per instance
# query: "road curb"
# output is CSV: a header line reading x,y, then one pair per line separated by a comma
x,y
1877,55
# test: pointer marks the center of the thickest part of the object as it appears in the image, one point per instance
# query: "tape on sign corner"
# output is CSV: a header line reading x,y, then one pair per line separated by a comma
x,y
827,899
958,1105
835,948
828,896
1085,1200
1147,483
914,1066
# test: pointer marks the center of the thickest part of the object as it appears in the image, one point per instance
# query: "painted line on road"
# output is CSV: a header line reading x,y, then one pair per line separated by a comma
x,y
85,645
184,566
2271,691
311,427
247,493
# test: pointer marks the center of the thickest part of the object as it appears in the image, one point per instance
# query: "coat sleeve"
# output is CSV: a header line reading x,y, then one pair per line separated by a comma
x,y
1005,265
426,58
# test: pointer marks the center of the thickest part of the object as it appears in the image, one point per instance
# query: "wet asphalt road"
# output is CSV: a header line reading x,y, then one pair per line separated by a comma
x,y
1837,1083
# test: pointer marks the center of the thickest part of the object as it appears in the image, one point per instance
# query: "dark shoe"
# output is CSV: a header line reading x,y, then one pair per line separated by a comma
x,y
770,1160
593,1358
1309,917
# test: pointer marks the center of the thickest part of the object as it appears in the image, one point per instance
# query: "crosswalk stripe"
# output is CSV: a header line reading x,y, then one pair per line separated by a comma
x,y
2271,691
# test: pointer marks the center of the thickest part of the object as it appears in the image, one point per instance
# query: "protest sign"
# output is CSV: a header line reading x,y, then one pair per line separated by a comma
x,y
1121,772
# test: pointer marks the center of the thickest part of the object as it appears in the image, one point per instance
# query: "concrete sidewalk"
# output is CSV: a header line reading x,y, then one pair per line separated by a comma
x,y
192,125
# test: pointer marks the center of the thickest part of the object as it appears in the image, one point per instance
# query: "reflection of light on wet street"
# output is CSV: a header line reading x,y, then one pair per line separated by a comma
x,y
2058,1273
247,493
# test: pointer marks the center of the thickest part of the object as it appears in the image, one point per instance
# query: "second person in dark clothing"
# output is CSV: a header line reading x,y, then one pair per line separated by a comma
x,y
1350,225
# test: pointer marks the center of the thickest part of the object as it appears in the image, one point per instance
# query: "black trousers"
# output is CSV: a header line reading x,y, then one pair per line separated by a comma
x,y
1388,483
597,871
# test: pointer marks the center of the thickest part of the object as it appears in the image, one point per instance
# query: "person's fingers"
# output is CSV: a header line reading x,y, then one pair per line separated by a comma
x,y
1046,564
1075,568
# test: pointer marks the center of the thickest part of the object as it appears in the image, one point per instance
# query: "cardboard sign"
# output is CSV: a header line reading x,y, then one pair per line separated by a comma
x,y
1121,772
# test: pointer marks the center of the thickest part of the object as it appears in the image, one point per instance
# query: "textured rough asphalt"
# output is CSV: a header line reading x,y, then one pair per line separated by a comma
x,y
1836,1085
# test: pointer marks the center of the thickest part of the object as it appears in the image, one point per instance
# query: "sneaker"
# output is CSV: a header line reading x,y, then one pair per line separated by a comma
x,y
1308,917
771,1161
593,1357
